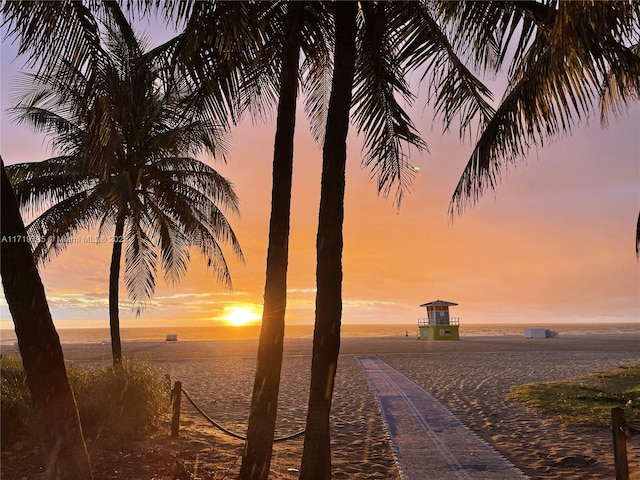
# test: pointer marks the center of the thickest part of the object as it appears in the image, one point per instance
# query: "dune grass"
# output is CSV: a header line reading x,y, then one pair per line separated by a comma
x,y
121,403
586,400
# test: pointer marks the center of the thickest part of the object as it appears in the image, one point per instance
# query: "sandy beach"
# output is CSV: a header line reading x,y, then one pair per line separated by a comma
x,y
471,378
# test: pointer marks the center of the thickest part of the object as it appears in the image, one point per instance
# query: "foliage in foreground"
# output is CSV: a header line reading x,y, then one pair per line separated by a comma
x,y
122,402
586,400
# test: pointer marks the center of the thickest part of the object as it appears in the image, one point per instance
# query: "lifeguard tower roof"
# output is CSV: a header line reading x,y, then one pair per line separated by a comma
x,y
439,303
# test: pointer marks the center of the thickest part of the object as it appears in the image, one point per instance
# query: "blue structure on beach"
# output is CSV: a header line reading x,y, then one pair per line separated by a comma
x,y
439,325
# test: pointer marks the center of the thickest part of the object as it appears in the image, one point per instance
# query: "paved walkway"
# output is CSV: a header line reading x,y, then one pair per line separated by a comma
x,y
428,441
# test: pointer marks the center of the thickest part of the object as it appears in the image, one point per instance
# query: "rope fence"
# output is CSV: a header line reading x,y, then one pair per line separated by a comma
x,y
176,394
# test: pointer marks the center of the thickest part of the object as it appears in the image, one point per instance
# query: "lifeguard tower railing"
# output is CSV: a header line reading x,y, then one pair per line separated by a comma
x,y
425,322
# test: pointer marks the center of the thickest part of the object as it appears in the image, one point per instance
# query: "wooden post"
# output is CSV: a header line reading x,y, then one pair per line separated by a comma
x,y
619,443
175,410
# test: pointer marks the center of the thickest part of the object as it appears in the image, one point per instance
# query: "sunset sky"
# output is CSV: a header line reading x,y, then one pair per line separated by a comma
x,y
555,243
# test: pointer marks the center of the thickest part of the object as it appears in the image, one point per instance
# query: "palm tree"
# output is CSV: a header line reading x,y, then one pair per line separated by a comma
x,y
316,458
127,136
377,44
256,459
571,59
302,30
60,429
266,39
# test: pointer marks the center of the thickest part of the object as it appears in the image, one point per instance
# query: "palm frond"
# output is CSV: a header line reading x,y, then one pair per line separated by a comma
x,y
193,211
378,81
141,265
49,31
169,174
553,87
64,134
317,86
213,255
42,184
619,89
56,228
454,90
317,66
209,58
125,35
192,208
168,237
486,30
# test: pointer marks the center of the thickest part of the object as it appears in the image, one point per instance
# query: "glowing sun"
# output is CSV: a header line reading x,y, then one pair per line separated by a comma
x,y
240,316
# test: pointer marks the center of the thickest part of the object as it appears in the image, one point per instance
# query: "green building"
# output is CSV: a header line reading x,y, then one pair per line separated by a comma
x,y
439,325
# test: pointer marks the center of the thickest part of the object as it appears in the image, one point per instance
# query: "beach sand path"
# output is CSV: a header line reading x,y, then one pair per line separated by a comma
x,y
428,441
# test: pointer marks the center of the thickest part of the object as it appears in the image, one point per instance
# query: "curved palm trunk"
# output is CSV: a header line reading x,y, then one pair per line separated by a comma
x,y
256,459
114,278
316,457
39,345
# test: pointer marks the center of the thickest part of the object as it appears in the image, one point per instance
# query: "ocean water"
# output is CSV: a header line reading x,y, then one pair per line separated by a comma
x,y
217,332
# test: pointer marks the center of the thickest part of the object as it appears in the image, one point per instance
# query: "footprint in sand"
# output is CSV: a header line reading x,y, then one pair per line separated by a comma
x,y
576,461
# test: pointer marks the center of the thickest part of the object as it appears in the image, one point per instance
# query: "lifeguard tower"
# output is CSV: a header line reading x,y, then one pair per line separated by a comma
x,y
439,325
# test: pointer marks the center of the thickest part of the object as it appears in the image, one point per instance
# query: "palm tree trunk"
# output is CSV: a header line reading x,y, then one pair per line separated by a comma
x,y
256,460
316,457
638,237
39,344
114,278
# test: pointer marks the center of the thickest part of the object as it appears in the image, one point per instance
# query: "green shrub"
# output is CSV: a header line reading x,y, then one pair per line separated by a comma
x,y
125,401
116,403
14,406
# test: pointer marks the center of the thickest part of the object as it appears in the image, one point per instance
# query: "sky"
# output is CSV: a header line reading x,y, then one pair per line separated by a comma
x,y
553,244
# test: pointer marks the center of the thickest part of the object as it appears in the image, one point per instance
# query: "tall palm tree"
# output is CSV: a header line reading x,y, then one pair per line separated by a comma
x,y
375,50
127,135
256,459
65,452
303,30
316,459
570,60
267,39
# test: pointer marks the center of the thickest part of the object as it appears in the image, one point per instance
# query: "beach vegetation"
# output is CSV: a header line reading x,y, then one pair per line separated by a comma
x,y
15,403
121,402
126,131
114,403
585,400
